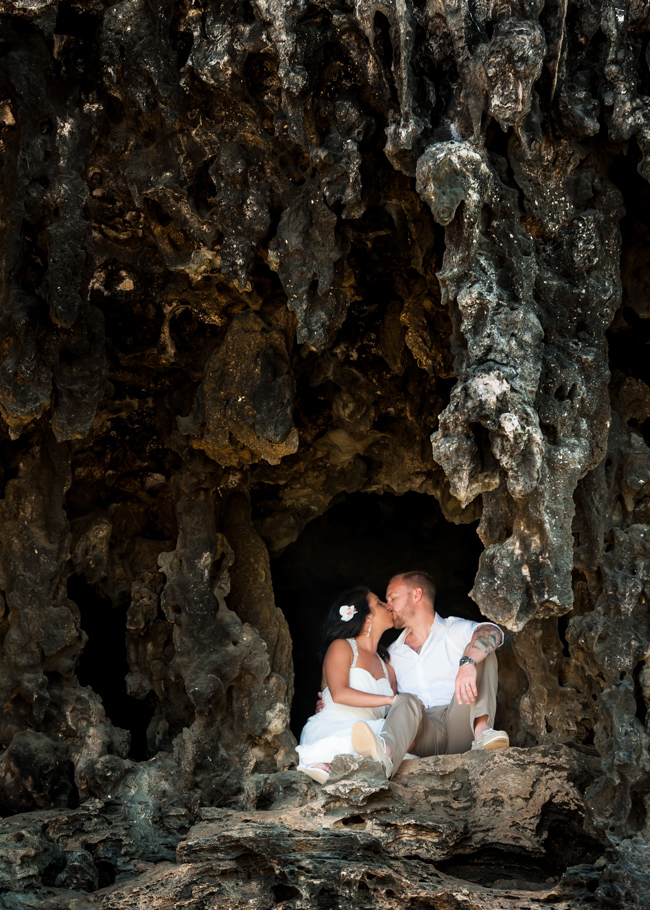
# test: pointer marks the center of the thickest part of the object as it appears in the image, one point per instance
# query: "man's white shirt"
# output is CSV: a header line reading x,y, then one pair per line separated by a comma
x,y
431,674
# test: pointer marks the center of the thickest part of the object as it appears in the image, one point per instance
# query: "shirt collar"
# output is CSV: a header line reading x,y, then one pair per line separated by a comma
x,y
437,620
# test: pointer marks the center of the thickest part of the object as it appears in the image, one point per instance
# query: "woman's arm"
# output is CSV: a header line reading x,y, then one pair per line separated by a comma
x,y
337,673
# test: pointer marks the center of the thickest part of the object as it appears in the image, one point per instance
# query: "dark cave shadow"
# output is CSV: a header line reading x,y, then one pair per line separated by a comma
x,y
103,664
366,539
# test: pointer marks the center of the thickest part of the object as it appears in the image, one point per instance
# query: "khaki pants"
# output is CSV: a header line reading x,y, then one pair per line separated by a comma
x,y
446,730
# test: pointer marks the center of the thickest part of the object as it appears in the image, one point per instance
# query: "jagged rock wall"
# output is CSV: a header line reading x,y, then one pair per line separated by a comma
x,y
254,254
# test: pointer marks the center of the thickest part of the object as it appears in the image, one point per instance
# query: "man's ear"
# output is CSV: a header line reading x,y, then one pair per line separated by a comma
x,y
417,594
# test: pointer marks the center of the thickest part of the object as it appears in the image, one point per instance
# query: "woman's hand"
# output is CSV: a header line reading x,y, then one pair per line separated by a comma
x,y
336,666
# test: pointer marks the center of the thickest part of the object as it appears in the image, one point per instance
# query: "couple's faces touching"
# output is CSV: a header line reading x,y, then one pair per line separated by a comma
x,y
400,606
382,617
401,601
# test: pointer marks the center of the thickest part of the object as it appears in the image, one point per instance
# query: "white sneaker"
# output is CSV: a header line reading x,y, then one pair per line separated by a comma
x,y
492,739
365,742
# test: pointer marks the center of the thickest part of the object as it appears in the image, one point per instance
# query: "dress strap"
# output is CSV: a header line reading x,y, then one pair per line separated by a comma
x,y
355,651
384,668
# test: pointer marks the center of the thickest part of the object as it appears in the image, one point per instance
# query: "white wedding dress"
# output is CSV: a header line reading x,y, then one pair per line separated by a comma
x,y
327,733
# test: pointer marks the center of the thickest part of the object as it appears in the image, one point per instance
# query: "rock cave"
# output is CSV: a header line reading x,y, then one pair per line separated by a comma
x,y
298,293
372,537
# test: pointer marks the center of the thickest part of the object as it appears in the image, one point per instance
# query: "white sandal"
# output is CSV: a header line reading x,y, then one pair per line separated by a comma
x,y
317,774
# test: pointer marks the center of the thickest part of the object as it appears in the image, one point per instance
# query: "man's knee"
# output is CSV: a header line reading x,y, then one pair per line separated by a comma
x,y
409,702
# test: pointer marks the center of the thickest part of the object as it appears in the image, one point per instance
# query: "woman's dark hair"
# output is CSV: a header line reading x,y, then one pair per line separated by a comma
x,y
336,627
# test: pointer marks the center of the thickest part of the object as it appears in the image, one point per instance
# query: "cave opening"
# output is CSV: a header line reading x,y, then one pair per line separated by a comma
x,y
103,664
366,538
628,336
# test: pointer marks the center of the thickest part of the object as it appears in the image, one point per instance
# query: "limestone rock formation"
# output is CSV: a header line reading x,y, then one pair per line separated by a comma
x,y
294,292
476,830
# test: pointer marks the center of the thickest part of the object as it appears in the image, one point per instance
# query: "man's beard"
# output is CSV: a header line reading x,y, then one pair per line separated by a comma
x,y
399,622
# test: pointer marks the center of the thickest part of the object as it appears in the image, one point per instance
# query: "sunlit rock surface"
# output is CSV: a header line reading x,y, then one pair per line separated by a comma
x,y
296,295
476,830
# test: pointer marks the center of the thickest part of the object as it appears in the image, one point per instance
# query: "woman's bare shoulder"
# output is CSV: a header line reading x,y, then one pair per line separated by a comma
x,y
339,648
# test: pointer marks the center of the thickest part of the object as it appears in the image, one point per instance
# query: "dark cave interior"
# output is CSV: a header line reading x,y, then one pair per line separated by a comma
x,y
364,538
367,538
103,664
629,335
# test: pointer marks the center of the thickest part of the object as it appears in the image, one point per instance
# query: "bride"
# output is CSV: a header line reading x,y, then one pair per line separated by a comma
x,y
357,683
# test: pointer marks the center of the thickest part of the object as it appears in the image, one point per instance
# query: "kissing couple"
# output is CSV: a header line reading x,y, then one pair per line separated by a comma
x,y
432,692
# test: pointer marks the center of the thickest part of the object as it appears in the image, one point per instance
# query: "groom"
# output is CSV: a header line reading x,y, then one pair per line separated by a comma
x,y
446,669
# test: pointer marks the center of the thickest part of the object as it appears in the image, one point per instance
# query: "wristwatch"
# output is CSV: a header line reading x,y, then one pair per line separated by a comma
x,y
466,660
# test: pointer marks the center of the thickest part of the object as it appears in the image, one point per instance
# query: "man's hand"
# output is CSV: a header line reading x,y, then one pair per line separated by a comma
x,y
320,704
465,688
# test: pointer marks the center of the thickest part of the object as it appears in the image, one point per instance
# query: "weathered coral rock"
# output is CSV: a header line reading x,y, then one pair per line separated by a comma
x,y
432,834
245,399
261,260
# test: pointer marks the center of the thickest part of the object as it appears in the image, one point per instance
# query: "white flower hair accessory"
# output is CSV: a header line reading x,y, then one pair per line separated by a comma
x,y
346,612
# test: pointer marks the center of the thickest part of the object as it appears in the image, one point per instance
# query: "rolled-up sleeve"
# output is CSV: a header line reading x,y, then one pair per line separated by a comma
x,y
460,631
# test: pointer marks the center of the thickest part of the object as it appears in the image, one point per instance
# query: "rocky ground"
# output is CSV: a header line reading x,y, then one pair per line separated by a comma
x,y
262,260
474,831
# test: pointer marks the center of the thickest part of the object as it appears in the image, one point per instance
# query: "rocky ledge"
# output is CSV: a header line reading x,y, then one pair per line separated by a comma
x,y
476,831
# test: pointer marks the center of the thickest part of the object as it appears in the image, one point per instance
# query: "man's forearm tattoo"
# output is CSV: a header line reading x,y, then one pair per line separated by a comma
x,y
487,640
